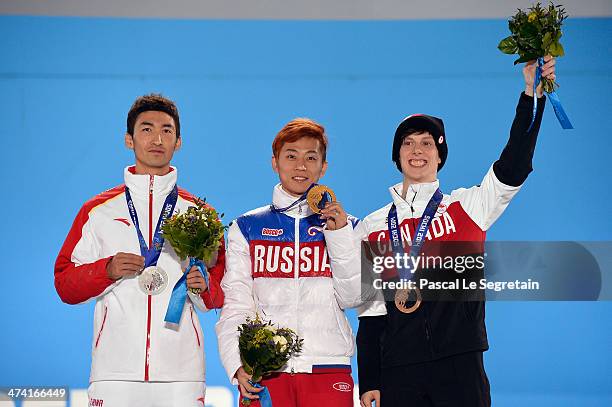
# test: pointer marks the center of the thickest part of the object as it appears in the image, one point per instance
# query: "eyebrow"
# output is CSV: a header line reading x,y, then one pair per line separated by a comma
x,y
295,151
151,124
429,136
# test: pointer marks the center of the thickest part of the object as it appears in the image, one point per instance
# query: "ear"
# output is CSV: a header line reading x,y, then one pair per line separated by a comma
x,y
129,141
323,169
274,164
178,144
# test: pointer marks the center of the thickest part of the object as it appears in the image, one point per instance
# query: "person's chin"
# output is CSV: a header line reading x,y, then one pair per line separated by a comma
x,y
296,190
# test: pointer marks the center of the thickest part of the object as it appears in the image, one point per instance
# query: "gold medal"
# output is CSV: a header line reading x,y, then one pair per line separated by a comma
x,y
316,194
401,298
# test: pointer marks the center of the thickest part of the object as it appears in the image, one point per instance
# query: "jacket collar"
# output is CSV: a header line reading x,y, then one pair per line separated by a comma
x,y
282,199
139,184
418,195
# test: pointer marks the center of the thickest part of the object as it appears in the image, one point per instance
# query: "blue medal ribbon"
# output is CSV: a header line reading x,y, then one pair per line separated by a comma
x,y
151,254
419,234
265,400
325,198
297,201
554,100
179,292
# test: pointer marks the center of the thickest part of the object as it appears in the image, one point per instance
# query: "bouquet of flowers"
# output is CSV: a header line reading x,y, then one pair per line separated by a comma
x,y
265,348
195,234
535,33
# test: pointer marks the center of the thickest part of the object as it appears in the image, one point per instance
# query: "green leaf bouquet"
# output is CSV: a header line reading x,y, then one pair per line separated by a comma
x,y
196,233
265,348
535,33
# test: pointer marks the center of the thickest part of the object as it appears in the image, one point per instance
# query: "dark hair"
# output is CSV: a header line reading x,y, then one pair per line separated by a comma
x,y
153,102
295,130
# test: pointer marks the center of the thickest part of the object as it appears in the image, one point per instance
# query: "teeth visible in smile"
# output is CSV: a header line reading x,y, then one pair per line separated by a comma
x,y
300,178
417,163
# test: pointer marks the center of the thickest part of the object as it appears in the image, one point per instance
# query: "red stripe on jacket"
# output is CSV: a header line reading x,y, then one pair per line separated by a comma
x,y
214,296
76,284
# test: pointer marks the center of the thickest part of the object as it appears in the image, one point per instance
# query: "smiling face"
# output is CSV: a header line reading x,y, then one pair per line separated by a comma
x,y
154,142
299,164
419,158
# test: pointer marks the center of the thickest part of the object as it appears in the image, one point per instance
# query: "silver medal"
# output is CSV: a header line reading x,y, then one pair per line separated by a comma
x,y
153,280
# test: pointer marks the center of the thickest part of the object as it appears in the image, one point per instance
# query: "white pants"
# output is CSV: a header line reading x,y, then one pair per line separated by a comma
x,y
146,394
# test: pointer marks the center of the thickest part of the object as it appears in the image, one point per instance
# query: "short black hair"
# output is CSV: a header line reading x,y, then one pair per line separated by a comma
x,y
153,102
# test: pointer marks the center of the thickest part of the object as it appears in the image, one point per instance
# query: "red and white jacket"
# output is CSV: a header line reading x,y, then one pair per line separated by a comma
x,y
285,267
130,338
463,216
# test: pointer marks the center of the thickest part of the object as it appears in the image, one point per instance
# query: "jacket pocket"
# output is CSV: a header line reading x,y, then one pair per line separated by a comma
x,y
101,326
343,326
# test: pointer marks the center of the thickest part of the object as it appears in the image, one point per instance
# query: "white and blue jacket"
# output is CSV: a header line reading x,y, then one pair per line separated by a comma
x,y
285,267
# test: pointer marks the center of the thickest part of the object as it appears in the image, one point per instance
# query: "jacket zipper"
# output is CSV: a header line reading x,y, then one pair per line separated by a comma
x,y
148,345
425,319
102,327
296,272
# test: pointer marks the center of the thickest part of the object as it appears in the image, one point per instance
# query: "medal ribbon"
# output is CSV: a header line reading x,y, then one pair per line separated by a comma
x,y
179,292
418,240
554,100
297,201
265,400
151,254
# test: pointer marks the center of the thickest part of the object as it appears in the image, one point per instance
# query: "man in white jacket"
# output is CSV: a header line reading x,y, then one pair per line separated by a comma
x,y
299,270
114,254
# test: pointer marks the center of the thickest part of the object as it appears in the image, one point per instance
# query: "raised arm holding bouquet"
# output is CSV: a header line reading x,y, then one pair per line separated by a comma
x,y
535,35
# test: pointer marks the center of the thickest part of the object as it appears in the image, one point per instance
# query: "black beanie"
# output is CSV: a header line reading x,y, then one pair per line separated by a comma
x,y
424,123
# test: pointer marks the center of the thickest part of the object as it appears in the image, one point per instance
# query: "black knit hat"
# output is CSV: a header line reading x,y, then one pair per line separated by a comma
x,y
424,123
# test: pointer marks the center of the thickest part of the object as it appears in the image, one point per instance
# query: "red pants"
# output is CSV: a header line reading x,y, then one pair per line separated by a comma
x,y
309,389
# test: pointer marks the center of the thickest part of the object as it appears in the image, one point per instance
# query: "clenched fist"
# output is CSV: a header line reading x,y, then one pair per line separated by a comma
x,y
334,215
123,265
196,280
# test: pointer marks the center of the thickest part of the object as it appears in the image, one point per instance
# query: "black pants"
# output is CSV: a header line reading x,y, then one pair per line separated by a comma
x,y
455,381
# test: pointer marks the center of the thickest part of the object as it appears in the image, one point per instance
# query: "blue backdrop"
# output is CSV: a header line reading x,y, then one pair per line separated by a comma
x,y
67,84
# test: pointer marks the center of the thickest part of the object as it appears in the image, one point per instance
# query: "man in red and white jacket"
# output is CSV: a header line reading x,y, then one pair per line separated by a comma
x,y
137,359
430,354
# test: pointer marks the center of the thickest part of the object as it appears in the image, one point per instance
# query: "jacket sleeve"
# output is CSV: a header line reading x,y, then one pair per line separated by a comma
x,y
213,296
486,202
515,162
80,274
345,258
372,323
237,284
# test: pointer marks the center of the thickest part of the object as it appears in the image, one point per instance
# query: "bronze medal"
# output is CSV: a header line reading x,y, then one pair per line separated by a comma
x,y
401,299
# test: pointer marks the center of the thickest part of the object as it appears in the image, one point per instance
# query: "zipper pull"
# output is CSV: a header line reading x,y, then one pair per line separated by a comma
x,y
292,371
151,184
